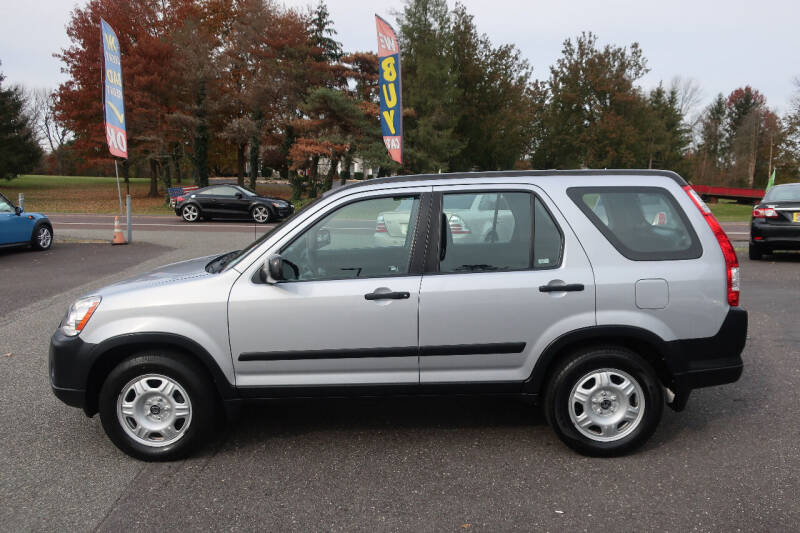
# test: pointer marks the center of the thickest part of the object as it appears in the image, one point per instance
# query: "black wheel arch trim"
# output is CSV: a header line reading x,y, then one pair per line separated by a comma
x,y
682,364
88,361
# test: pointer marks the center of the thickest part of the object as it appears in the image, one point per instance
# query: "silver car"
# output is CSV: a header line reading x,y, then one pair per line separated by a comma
x,y
601,295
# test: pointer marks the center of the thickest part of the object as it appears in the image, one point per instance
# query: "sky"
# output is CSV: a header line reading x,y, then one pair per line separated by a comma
x,y
720,45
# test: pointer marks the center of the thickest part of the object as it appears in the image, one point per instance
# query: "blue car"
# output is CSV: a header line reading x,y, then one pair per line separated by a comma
x,y
18,228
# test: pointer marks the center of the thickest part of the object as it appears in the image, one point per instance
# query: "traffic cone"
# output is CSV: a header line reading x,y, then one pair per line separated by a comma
x,y
119,238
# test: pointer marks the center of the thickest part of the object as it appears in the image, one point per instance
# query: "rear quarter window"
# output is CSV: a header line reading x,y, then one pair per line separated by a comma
x,y
642,223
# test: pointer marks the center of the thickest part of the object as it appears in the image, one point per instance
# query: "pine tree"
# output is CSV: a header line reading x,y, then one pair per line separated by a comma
x,y
19,150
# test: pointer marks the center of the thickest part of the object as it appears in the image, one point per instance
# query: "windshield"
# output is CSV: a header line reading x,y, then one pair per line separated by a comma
x,y
234,259
784,193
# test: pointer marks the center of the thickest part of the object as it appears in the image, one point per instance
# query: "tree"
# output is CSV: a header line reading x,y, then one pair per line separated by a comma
x,y
593,114
19,149
496,105
745,118
431,94
49,129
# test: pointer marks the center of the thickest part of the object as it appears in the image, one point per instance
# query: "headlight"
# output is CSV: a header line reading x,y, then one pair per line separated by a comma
x,y
79,314
278,204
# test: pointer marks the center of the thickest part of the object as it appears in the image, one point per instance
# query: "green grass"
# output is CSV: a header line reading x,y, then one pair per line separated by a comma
x,y
730,211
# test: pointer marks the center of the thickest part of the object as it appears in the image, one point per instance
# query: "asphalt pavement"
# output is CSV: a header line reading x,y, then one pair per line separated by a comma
x,y
730,462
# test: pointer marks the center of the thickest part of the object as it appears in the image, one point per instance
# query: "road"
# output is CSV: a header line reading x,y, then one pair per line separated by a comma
x,y
730,462
159,223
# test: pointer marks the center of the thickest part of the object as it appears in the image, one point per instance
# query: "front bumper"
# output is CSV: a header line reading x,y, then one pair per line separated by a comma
x,y
705,362
70,362
284,212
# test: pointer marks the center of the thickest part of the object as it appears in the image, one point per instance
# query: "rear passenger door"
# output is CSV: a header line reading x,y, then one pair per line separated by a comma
x,y
498,288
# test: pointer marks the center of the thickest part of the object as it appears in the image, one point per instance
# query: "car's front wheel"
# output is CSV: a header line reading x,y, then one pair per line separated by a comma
x,y
157,406
261,214
190,213
604,401
42,238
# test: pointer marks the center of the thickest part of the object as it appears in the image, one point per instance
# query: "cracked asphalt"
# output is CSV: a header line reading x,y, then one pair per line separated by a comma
x,y
730,462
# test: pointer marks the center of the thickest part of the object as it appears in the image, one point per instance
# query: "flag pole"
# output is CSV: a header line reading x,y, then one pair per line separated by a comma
x,y
119,191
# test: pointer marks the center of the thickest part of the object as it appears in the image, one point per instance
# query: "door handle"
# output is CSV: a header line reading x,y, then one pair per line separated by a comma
x,y
571,287
387,296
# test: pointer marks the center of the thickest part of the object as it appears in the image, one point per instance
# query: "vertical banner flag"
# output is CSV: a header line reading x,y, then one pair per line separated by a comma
x,y
391,89
112,93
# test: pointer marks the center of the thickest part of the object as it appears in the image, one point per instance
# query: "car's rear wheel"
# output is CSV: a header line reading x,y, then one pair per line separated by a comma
x,y
261,214
604,401
190,213
157,406
42,238
755,252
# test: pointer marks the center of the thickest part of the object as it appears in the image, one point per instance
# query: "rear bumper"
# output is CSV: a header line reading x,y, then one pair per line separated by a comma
x,y
784,236
697,363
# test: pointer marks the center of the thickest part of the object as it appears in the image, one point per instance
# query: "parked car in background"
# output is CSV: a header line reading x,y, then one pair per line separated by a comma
x,y
602,317
20,228
230,201
775,224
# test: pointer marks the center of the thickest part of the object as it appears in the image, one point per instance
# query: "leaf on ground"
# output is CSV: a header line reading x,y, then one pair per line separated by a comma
x,y
9,354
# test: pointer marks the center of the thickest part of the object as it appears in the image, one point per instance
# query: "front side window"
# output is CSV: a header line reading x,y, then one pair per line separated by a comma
x,y
642,223
364,239
5,206
486,232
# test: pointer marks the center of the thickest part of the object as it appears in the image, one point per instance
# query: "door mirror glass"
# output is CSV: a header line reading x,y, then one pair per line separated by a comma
x,y
239,196
278,269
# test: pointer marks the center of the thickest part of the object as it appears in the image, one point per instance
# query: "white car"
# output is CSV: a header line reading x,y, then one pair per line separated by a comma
x,y
471,218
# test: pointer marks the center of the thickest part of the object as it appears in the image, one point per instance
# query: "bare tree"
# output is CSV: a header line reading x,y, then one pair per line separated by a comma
x,y
690,96
50,132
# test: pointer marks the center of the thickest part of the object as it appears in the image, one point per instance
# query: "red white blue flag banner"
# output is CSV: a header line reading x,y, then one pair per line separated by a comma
x,y
390,87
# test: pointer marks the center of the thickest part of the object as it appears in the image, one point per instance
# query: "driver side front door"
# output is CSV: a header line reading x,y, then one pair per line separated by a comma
x,y
349,314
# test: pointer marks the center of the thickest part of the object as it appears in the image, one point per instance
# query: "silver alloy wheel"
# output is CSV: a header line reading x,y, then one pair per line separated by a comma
x,y
260,214
190,213
154,410
44,238
606,405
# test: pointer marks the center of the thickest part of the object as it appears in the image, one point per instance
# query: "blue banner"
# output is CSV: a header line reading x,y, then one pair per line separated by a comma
x,y
113,101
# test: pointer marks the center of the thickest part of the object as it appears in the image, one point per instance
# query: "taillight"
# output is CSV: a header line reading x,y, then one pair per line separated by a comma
x,y
457,226
731,261
380,225
764,212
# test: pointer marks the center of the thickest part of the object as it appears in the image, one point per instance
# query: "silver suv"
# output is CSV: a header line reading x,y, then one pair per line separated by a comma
x,y
603,295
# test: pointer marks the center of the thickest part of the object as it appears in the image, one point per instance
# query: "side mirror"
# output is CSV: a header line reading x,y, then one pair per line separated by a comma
x,y
323,238
239,196
18,210
273,270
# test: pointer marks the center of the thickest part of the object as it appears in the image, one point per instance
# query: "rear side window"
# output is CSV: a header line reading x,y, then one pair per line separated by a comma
x,y
642,223
497,231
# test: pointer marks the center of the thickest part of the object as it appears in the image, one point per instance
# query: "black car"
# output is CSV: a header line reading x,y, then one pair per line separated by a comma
x,y
776,221
230,201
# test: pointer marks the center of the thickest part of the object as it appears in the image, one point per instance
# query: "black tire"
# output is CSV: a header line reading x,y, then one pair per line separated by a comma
x,y
202,398
574,369
755,252
42,237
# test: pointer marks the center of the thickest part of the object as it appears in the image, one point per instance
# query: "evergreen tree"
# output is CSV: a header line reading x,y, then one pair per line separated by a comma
x,y
431,97
19,150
